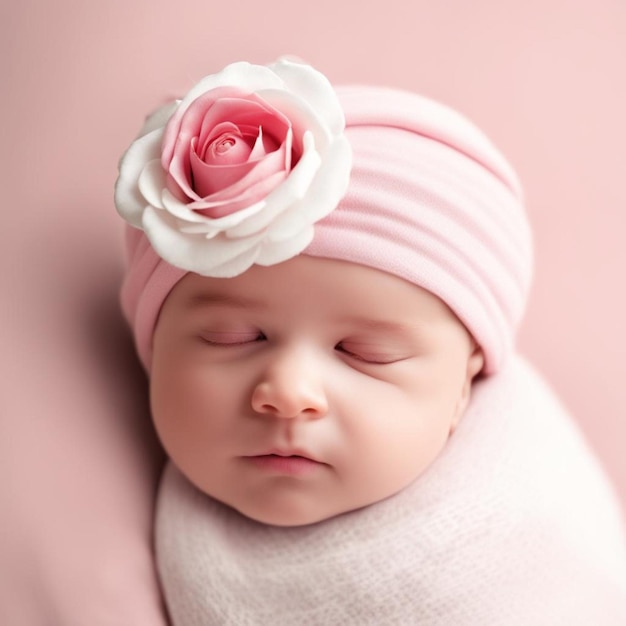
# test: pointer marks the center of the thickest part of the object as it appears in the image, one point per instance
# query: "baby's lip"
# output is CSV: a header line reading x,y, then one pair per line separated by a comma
x,y
286,463
287,452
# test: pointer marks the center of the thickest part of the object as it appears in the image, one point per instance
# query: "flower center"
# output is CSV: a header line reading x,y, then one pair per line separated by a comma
x,y
224,145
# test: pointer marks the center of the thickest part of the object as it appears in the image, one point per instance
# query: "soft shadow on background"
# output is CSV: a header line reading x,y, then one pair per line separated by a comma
x,y
545,79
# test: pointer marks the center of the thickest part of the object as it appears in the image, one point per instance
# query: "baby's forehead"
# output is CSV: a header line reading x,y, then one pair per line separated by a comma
x,y
314,287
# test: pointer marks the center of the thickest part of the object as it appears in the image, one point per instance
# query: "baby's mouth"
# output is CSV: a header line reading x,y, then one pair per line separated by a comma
x,y
288,464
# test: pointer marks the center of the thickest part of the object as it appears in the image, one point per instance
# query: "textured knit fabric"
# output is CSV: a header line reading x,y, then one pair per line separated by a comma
x,y
430,199
514,525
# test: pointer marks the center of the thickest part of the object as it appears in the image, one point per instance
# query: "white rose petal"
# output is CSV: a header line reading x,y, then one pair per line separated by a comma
x,y
129,201
301,115
151,183
236,266
314,89
322,192
219,225
244,75
281,251
188,216
192,253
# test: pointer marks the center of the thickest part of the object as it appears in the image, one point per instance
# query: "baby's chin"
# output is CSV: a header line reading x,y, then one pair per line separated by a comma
x,y
289,517
295,514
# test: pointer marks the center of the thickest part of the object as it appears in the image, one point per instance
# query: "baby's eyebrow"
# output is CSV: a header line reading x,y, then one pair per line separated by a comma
x,y
199,300
372,324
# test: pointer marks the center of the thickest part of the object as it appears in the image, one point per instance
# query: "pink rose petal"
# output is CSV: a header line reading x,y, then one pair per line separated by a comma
x,y
180,168
219,173
219,133
193,115
206,148
249,196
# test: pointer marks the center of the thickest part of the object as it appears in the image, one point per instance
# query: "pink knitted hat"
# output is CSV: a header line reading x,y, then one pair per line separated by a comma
x,y
429,199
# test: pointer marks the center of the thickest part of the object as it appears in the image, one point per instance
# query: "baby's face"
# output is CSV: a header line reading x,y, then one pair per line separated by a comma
x,y
303,390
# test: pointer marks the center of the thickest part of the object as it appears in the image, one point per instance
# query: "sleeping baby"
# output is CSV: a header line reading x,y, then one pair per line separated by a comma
x,y
324,286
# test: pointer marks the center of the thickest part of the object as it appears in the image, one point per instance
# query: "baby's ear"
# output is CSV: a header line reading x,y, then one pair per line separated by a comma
x,y
475,363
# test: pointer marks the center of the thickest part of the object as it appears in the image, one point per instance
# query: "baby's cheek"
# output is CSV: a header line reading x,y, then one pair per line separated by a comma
x,y
172,396
162,406
178,426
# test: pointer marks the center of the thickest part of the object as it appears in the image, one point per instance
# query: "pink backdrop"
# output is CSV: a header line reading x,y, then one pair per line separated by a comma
x,y
545,79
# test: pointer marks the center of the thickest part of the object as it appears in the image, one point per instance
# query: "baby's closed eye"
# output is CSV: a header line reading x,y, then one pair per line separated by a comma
x,y
231,338
371,352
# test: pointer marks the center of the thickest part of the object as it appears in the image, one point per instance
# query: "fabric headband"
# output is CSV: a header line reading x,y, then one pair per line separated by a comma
x,y
429,199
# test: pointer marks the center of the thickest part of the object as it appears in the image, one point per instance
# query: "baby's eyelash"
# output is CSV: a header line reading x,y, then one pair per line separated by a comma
x,y
373,359
231,338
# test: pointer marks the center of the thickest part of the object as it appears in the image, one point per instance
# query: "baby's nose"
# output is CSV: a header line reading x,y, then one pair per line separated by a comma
x,y
291,386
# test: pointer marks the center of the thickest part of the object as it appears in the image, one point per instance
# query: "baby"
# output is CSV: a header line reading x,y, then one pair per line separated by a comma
x,y
324,287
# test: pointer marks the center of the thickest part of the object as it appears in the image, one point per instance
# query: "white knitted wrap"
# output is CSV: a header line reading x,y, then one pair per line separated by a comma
x,y
514,525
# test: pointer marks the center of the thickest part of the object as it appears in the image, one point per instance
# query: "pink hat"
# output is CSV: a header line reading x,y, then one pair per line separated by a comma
x,y
429,199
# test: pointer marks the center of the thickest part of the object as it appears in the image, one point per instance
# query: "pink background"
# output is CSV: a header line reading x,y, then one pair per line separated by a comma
x,y
545,79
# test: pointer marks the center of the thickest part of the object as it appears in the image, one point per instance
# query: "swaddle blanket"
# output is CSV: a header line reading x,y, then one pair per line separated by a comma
x,y
513,525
